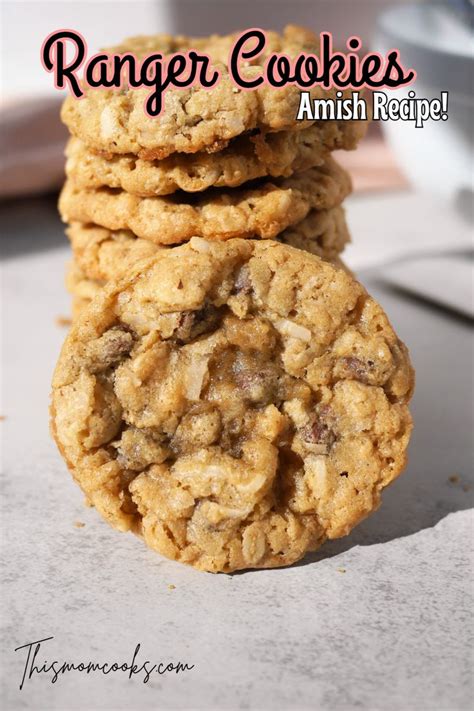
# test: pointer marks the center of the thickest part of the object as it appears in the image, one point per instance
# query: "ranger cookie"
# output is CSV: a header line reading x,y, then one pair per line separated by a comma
x,y
246,158
263,210
234,403
197,119
104,254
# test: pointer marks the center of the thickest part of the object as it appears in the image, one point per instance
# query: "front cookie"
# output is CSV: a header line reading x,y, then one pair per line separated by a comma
x,y
235,403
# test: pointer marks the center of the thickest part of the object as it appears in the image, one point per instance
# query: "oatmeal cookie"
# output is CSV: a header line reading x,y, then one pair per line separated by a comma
x,y
234,403
102,254
263,210
246,158
197,119
322,232
83,288
106,254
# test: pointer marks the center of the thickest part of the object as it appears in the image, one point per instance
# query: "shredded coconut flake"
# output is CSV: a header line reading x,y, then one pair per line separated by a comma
x,y
319,474
212,471
216,513
199,245
108,123
253,485
195,378
289,328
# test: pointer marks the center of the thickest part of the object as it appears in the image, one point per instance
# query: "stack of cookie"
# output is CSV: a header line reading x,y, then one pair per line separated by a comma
x,y
226,391
216,165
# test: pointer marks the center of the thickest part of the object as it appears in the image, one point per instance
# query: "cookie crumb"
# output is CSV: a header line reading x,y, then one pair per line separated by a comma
x,y
454,479
63,321
79,524
341,570
3,418
171,587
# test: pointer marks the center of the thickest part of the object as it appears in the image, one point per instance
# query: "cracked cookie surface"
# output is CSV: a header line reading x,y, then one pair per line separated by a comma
x,y
234,403
83,288
196,119
246,158
104,254
260,210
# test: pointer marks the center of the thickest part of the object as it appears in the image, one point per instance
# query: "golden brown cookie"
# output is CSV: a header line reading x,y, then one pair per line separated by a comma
x,y
84,289
101,254
197,119
264,210
322,232
234,403
104,254
246,158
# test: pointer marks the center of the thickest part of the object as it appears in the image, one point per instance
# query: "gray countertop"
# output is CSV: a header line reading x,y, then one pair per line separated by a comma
x,y
376,621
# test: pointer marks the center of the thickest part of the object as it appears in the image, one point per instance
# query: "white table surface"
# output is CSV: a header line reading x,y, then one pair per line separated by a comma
x,y
390,634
